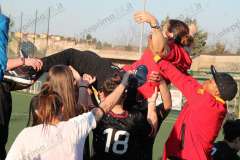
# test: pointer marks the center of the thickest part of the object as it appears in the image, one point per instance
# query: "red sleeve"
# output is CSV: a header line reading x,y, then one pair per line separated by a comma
x,y
185,83
137,63
132,66
179,57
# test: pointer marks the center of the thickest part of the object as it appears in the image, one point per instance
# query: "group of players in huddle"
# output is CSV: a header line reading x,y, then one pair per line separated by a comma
x,y
84,92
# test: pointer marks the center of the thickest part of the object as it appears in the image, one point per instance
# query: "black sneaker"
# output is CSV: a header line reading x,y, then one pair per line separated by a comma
x,y
138,78
141,74
24,75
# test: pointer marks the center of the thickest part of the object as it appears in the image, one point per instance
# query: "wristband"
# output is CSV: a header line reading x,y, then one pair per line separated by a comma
x,y
156,58
83,83
156,27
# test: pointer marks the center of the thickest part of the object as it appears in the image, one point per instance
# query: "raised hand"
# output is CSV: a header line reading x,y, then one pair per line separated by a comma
x,y
126,77
75,73
88,78
145,17
155,77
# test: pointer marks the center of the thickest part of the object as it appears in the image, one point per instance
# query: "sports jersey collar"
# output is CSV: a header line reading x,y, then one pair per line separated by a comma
x,y
122,115
217,98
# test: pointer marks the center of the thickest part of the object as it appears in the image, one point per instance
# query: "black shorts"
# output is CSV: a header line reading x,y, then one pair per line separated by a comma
x,y
5,114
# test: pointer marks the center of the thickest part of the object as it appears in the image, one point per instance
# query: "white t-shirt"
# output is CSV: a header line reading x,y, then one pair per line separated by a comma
x,y
64,141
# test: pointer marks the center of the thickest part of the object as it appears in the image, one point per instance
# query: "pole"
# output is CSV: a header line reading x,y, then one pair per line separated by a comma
x,y
20,31
48,26
142,30
238,99
35,30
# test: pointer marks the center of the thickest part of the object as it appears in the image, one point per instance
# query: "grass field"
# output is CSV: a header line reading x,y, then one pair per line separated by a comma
x,y
20,116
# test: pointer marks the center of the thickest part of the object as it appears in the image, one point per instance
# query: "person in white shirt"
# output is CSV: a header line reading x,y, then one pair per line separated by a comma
x,y
57,139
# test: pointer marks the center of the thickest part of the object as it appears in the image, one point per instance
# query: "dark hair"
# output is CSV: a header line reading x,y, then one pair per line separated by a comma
x,y
231,130
110,84
180,32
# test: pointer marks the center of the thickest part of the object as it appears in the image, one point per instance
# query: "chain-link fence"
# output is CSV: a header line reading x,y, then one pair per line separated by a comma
x,y
33,30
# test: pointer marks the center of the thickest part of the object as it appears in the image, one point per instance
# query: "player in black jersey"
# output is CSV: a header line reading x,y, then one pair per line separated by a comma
x,y
163,110
125,133
228,148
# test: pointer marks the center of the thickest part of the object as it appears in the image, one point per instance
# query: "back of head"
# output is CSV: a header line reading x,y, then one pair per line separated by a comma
x,y
177,27
49,105
61,80
231,130
110,84
180,31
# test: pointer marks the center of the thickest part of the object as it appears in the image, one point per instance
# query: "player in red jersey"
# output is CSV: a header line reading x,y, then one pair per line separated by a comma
x,y
172,44
198,124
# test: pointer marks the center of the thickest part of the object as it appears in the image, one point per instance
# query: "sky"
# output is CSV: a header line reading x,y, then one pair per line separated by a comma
x,y
112,20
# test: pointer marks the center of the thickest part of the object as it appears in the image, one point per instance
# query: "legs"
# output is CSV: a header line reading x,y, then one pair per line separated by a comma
x,y
3,141
5,114
84,62
62,57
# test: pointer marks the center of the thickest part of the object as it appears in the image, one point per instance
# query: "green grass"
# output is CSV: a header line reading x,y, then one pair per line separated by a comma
x,y
20,116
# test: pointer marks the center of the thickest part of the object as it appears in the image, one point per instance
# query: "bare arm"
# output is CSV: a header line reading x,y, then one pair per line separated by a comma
x,y
152,117
34,62
166,95
13,63
158,42
84,97
111,99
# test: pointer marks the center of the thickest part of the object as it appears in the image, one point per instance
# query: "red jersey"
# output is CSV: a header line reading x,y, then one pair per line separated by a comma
x,y
198,124
177,56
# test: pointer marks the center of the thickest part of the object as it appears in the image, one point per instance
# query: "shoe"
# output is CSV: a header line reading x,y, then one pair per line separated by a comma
x,y
24,75
138,78
141,75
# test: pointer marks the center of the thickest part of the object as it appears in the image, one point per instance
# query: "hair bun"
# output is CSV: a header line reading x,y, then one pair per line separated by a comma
x,y
186,40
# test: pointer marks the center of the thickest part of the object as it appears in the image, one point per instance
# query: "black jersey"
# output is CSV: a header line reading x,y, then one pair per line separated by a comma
x,y
119,136
221,151
135,143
